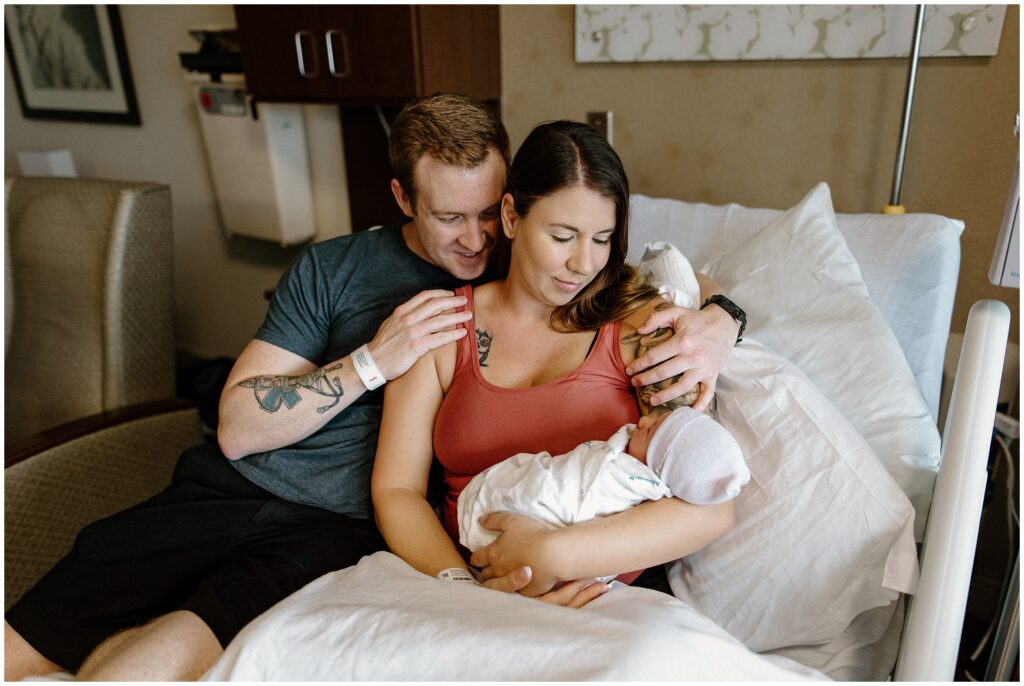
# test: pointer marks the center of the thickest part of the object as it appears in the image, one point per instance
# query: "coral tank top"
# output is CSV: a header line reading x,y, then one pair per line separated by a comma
x,y
480,424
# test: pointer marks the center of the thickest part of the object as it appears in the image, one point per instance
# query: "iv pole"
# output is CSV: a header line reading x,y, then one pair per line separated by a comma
x,y
894,206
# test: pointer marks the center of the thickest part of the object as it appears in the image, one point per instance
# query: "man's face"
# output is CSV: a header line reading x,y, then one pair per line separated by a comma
x,y
456,215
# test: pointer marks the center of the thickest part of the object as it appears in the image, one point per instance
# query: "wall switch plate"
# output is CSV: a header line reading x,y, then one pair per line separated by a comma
x,y
602,121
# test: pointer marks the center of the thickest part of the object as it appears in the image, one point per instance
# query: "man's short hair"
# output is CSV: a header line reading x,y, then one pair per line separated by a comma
x,y
453,129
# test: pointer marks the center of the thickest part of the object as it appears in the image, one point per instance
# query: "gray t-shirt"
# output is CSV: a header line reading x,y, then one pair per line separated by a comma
x,y
328,303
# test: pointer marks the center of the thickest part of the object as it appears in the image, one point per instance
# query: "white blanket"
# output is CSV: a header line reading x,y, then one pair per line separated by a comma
x,y
384,621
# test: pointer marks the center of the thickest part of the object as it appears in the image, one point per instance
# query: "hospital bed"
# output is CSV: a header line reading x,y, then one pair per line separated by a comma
x,y
383,620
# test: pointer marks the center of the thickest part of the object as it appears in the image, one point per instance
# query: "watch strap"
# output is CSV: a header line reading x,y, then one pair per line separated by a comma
x,y
734,311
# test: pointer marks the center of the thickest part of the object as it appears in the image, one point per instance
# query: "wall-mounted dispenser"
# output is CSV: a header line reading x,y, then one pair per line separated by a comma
x,y
257,153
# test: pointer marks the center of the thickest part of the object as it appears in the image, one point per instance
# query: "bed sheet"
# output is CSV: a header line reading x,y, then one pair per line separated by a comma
x,y
384,621
865,651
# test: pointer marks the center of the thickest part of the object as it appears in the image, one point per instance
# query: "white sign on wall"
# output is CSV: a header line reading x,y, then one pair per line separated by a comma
x,y
695,33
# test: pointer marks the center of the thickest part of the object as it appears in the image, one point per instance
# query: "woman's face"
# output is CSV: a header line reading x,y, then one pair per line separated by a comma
x,y
562,244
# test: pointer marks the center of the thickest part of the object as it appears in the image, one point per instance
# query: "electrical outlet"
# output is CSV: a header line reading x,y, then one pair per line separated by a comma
x,y
602,121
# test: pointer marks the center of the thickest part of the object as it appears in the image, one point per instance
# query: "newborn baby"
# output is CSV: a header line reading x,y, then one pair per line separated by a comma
x,y
681,453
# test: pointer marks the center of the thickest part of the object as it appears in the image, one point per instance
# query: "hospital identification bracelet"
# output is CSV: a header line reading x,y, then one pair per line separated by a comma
x,y
367,369
455,574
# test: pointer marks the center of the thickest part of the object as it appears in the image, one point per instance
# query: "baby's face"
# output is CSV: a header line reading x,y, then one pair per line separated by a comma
x,y
642,435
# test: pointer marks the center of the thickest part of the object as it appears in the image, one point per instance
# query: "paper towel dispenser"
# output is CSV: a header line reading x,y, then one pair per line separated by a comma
x,y
256,153
259,165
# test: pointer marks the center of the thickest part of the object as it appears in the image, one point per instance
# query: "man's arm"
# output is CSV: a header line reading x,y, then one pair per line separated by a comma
x,y
696,352
274,397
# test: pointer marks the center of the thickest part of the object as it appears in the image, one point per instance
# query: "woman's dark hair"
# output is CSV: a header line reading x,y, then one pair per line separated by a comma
x,y
559,155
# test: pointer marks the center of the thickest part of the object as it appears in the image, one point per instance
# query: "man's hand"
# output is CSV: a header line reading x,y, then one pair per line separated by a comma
x,y
697,351
521,543
415,328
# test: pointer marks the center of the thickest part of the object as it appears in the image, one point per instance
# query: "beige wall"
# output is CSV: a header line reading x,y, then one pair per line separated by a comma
x,y
763,133
758,133
219,282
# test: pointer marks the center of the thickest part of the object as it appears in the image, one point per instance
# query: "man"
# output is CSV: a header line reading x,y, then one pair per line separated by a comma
x,y
157,591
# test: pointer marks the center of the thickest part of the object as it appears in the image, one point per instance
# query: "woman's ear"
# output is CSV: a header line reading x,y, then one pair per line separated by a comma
x,y
508,216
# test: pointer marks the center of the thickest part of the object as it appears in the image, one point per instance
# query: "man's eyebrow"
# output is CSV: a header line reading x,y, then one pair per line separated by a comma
x,y
493,208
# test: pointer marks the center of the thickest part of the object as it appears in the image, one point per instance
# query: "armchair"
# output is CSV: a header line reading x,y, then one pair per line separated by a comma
x,y
88,299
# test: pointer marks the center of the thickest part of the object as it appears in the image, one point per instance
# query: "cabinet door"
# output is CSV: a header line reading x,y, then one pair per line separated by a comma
x,y
328,53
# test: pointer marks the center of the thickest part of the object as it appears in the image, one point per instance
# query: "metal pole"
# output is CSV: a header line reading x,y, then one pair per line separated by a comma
x,y
1006,645
908,101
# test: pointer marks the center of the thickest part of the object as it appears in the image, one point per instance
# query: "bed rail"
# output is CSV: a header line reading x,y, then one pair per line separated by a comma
x,y
935,618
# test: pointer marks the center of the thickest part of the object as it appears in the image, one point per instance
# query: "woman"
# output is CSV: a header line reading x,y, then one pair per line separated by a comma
x,y
545,371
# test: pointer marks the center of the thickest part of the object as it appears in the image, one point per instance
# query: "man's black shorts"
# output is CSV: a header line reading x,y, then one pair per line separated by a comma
x,y
212,543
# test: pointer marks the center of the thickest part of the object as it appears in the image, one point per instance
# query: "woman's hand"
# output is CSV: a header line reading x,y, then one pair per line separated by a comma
x,y
574,594
522,542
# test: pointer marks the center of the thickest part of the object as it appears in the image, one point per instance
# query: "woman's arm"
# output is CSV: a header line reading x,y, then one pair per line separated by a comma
x,y
643,536
402,467
399,485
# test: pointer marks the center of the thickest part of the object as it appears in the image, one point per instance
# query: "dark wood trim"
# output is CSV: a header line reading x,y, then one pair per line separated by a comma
x,y
369,167
20,451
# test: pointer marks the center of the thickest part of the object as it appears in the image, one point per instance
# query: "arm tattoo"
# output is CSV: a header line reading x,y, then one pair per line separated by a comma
x,y
483,345
273,391
643,343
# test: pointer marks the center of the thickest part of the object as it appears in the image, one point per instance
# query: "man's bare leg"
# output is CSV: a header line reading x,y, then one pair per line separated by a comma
x,y
176,647
21,659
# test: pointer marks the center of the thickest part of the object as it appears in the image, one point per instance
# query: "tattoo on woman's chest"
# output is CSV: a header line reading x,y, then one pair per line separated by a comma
x,y
273,391
483,345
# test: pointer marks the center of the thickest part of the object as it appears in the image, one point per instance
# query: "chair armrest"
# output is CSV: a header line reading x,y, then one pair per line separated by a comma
x,y
59,481
935,618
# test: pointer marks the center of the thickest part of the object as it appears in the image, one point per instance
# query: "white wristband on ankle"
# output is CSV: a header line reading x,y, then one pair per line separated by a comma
x,y
367,369
455,574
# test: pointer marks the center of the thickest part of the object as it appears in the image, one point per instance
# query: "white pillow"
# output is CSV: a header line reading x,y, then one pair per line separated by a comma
x,y
805,298
822,531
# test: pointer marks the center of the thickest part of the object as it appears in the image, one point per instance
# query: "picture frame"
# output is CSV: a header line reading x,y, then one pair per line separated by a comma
x,y
69,62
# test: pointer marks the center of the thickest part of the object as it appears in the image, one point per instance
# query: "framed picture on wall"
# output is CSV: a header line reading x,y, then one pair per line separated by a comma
x,y
69,63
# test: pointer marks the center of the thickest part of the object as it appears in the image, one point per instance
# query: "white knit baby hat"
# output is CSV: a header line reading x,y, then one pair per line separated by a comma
x,y
697,458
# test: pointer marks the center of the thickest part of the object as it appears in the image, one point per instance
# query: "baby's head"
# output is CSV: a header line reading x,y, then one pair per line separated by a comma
x,y
692,453
640,441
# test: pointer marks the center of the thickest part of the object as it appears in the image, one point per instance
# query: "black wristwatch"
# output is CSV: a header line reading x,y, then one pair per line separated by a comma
x,y
732,308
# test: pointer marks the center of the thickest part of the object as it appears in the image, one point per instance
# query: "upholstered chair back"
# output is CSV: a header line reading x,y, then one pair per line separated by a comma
x,y
89,303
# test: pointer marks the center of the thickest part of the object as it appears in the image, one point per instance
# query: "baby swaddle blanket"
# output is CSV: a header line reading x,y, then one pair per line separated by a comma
x,y
595,479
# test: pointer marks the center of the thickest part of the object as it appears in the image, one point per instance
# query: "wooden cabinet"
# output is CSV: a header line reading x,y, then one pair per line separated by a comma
x,y
369,54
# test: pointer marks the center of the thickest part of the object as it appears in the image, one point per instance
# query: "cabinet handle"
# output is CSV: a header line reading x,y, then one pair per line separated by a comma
x,y
331,66
300,54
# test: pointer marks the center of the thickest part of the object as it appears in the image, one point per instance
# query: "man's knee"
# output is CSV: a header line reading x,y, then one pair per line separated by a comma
x,y
21,659
174,647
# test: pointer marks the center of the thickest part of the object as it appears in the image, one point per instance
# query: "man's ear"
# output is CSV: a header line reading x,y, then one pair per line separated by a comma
x,y
508,216
404,203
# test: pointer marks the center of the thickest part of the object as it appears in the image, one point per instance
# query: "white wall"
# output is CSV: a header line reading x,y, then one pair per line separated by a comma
x,y
220,282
